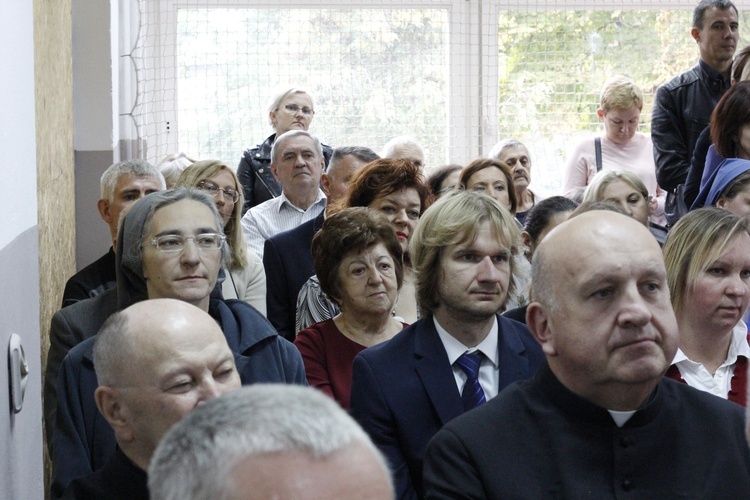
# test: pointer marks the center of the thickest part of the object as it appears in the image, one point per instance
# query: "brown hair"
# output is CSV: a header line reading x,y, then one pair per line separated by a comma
x,y
482,163
351,230
383,177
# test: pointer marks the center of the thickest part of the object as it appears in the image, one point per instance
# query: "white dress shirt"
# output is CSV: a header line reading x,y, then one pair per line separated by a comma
x,y
489,373
718,384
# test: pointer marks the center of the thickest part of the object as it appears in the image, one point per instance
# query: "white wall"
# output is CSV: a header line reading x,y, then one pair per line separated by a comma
x,y
17,135
21,472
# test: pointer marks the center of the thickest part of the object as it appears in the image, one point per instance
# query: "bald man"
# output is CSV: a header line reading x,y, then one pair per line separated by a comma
x,y
155,361
599,421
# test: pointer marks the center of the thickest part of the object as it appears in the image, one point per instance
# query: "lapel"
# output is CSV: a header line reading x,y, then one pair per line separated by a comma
x,y
513,363
435,372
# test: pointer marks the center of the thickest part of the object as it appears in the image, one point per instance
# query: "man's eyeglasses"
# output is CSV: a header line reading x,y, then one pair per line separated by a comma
x,y
214,190
293,108
174,243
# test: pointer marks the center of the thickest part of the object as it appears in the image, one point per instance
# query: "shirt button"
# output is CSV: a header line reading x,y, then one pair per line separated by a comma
x,y
627,485
625,442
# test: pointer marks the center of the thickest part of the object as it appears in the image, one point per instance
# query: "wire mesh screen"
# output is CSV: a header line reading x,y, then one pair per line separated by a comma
x,y
455,75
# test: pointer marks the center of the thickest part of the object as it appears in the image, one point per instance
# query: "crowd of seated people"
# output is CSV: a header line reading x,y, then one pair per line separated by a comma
x,y
454,311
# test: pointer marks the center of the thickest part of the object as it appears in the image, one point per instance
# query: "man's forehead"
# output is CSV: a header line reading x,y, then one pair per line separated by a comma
x,y
608,266
714,14
599,262
514,151
298,143
471,238
346,166
131,181
180,343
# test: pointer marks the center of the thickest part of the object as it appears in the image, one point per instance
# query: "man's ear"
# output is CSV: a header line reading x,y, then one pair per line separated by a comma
x,y
325,183
696,34
537,320
600,114
104,212
114,412
526,238
273,171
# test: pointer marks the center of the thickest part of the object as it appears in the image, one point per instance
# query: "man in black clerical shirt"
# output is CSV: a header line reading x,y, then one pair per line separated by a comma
x,y
599,420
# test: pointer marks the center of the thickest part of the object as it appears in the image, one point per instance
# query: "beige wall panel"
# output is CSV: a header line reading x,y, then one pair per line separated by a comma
x,y
53,68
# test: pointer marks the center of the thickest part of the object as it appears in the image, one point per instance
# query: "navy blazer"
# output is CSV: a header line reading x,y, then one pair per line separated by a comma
x,y
288,264
404,391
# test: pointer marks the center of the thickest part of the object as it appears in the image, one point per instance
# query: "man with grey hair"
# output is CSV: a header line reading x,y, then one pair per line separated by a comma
x,y
155,362
268,441
297,164
288,254
405,148
121,185
514,154
599,420
461,352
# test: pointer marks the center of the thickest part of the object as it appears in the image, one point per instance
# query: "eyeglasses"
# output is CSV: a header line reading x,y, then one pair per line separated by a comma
x,y
174,243
214,190
293,108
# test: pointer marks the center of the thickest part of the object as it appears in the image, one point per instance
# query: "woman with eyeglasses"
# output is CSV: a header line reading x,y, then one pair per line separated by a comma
x,y
290,109
245,278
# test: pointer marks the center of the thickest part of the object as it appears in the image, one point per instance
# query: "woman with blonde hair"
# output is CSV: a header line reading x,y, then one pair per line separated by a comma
x,y
621,147
707,257
245,278
627,190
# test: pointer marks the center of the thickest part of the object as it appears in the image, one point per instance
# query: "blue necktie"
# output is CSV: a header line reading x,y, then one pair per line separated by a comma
x,y
472,394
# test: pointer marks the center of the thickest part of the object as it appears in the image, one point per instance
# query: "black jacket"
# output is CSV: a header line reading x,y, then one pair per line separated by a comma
x,y
254,173
682,109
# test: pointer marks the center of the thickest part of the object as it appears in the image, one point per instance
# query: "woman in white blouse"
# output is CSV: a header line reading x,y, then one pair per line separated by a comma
x,y
707,256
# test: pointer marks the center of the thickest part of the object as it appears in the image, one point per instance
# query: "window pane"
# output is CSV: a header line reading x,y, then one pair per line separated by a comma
x,y
374,73
553,63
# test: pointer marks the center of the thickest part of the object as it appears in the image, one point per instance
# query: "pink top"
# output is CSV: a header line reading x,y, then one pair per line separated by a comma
x,y
328,355
636,156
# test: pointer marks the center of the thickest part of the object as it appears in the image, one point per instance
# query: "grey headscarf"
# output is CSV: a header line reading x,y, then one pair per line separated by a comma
x,y
131,284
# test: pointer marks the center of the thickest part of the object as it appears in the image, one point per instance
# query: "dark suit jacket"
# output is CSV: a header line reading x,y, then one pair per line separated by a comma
x,y
288,264
404,391
71,326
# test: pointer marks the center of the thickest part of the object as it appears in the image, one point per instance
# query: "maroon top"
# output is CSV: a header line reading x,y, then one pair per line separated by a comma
x,y
328,355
